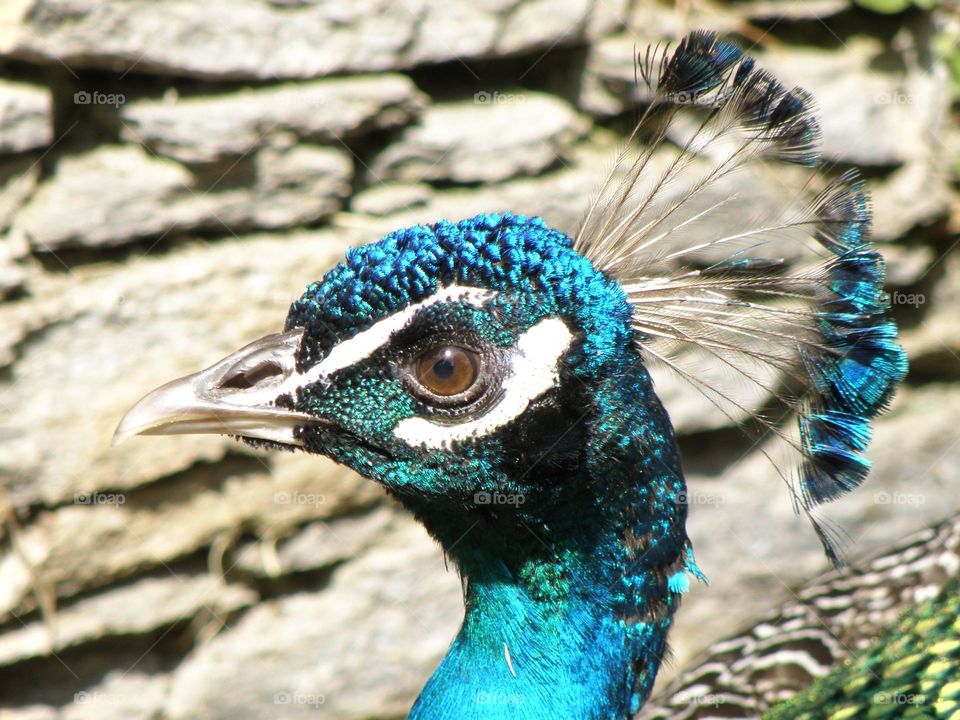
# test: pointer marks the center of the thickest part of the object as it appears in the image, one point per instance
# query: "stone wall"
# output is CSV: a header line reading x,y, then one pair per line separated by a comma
x,y
173,174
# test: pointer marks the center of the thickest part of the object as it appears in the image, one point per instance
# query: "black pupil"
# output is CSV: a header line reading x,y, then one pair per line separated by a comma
x,y
443,368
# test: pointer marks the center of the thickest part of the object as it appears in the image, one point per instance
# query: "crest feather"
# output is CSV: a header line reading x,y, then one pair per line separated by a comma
x,y
818,318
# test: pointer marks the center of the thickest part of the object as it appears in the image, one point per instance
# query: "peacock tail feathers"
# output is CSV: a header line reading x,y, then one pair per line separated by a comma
x,y
813,332
829,621
912,671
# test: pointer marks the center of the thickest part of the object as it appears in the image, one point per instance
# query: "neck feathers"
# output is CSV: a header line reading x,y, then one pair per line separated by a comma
x,y
568,605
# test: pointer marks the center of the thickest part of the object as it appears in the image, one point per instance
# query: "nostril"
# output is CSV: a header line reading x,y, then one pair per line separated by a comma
x,y
245,378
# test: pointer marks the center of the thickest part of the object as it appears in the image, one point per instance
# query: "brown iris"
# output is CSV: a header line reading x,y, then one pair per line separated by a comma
x,y
446,370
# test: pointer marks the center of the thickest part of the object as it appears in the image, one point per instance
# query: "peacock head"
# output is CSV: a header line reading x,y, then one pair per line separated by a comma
x,y
456,364
449,361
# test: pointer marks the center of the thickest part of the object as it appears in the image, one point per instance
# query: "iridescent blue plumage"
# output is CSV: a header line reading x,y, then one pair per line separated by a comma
x,y
496,251
697,66
835,342
861,364
492,374
591,562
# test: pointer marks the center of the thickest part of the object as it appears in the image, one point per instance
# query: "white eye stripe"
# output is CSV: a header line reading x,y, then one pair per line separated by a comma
x,y
366,342
533,370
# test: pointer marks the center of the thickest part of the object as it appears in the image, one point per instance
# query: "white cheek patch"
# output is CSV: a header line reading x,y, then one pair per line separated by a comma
x,y
533,371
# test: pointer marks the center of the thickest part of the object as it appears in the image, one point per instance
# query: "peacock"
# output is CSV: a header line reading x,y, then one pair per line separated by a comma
x,y
850,644
494,375
913,671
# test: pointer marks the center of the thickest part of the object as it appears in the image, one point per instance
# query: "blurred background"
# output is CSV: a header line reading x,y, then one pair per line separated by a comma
x,y
173,174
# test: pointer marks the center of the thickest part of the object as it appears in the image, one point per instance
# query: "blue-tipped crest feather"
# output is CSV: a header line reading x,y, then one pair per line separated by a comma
x,y
698,65
823,326
862,363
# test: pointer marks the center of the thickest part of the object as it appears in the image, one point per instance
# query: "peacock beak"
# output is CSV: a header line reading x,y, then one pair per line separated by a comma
x,y
236,396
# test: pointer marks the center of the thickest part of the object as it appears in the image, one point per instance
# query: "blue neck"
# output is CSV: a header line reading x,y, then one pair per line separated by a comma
x,y
569,597
522,656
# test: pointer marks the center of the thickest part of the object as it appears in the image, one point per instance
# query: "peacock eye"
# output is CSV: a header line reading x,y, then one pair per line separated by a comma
x,y
446,370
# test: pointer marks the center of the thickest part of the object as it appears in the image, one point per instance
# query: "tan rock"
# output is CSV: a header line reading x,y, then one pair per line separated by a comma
x,y
363,647
495,136
257,39
127,695
119,612
105,536
119,194
205,128
26,116
933,344
746,534
102,336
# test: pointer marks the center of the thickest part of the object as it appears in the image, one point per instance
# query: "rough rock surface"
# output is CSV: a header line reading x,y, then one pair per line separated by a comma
x,y
183,302
861,95
144,237
402,607
117,612
742,512
493,137
140,196
258,39
18,180
205,128
858,108
26,116
934,342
